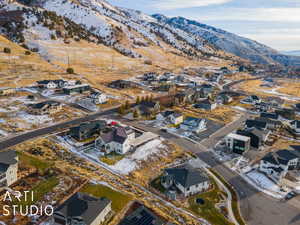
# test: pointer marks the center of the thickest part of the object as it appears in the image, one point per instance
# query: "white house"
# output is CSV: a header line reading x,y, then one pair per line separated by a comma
x,y
295,126
98,97
189,181
176,118
8,168
51,84
118,140
277,164
193,124
237,143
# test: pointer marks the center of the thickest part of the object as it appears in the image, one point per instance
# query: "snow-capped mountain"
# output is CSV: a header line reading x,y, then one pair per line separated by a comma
x,y
122,29
130,32
229,42
294,53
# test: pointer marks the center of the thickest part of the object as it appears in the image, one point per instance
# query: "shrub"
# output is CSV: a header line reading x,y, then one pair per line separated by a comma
x,y
27,53
7,50
70,70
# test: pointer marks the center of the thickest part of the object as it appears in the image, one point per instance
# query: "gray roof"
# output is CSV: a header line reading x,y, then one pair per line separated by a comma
x,y
47,104
186,176
83,206
7,158
116,134
280,157
142,216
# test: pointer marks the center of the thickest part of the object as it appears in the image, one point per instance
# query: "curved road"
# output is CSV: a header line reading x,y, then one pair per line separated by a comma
x,y
256,208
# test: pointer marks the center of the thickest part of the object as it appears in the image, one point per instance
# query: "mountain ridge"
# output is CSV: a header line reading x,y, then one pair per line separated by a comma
x,y
232,43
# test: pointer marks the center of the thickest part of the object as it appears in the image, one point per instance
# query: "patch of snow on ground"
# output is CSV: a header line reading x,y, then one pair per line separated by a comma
x,y
34,119
131,162
263,183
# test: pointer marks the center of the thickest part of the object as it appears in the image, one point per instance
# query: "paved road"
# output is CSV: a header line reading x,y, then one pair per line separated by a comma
x,y
10,142
256,208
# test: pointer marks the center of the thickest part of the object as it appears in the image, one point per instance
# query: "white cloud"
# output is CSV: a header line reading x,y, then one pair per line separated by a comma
x,y
256,14
181,4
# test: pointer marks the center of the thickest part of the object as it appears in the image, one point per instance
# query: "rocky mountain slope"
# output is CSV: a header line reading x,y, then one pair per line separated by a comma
x,y
240,46
97,21
40,24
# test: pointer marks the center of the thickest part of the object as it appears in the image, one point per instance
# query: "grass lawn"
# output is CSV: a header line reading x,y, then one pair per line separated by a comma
x,y
157,185
34,162
208,210
111,159
119,200
40,190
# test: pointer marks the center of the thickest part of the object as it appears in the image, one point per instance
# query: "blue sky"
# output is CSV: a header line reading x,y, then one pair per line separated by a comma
x,y
272,22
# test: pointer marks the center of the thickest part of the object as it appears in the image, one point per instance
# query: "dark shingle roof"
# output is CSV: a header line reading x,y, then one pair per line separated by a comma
x,y
8,157
256,123
44,104
187,177
273,116
83,206
117,134
280,157
142,216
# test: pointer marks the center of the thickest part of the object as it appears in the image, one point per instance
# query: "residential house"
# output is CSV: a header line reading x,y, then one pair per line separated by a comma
x,y
176,118
257,136
120,84
87,130
223,99
51,84
238,143
188,181
148,108
82,209
193,124
263,106
141,215
295,127
274,101
252,99
207,89
117,139
81,88
277,164
8,168
273,116
7,91
98,97
286,113
205,105
46,107
255,123
270,123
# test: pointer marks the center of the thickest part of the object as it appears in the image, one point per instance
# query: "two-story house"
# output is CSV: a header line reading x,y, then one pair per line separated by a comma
x,y
117,139
98,97
193,124
46,107
277,164
8,168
